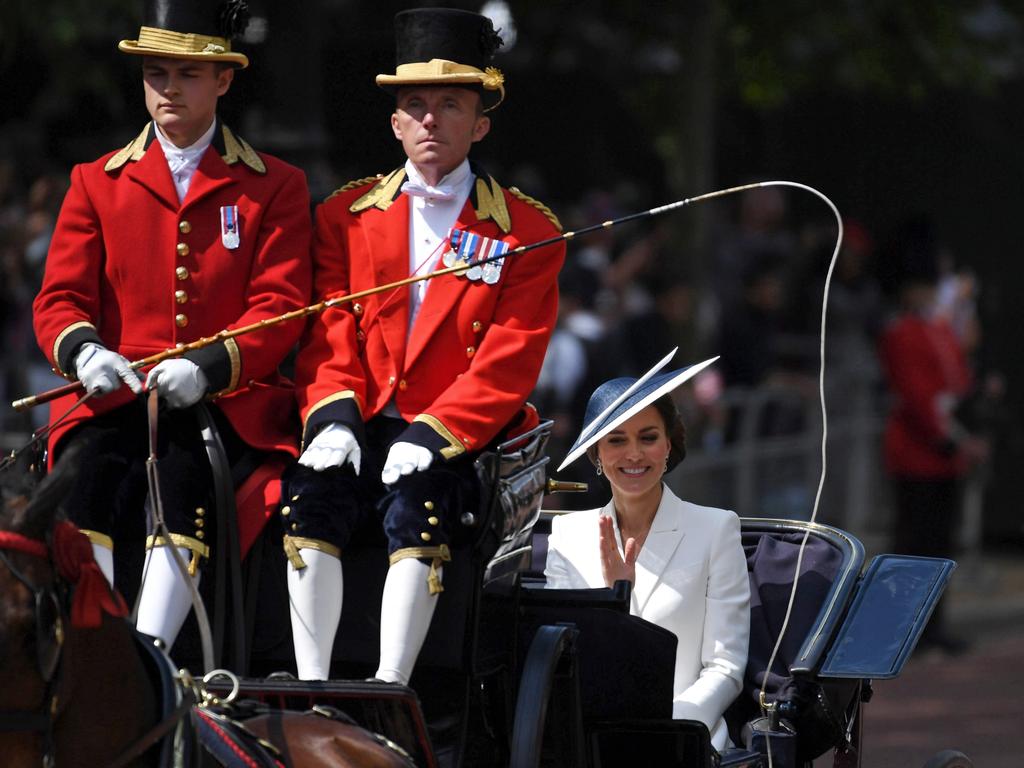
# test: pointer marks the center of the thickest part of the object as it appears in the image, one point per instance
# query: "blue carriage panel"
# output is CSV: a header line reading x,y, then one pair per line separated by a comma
x,y
892,605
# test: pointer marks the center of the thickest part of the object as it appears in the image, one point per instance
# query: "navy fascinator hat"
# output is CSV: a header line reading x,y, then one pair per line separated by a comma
x,y
618,400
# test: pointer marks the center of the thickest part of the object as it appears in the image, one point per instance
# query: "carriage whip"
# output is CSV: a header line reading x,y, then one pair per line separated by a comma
x,y
314,309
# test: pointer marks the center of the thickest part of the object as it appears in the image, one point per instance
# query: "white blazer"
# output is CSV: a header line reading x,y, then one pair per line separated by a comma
x,y
691,578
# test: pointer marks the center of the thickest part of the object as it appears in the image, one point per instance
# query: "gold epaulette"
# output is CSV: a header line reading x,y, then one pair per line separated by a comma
x,y
538,205
352,185
135,149
382,194
490,204
236,148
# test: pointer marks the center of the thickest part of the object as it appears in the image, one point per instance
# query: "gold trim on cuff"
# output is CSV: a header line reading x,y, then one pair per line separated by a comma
x,y
292,545
99,539
235,356
455,446
440,554
348,393
60,339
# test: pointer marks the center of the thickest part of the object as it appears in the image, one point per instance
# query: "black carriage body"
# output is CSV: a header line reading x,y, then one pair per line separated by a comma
x,y
515,674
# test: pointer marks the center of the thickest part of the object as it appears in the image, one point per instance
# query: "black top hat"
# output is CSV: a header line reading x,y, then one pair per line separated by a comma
x,y
199,30
446,46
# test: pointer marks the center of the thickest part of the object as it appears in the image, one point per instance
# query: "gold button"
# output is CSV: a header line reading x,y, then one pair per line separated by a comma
x,y
470,351
357,308
183,249
184,227
425,536
286,511
432,520
403,385
295,526
181,320
200,535
391,381
295,497
200,522
477,325
428,505
181,297
200,511
182,273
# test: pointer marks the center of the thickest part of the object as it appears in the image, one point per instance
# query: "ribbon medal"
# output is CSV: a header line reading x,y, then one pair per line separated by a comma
x,y
469,249
229,234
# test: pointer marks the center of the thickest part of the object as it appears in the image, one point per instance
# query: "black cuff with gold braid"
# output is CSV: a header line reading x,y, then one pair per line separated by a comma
x,y
429,432
343,410
69,342
221,363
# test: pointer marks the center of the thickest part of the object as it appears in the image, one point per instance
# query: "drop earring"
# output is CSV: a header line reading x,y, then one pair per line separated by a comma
x,y
598,468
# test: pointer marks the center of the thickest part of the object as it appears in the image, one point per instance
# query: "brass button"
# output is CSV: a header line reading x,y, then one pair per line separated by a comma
x,y
295,497
200,522
477,325
425,536
286,511
181,297
391,381
183,249
200,535
428,505
470,351
433,520
357,308
200,511
295,526
403,385
184,227
181,273
181,320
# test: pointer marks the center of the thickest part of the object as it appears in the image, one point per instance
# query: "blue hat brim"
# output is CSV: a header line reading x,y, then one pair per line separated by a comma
x,y
637,396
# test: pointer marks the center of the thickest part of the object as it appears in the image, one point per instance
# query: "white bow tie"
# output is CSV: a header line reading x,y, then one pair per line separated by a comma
x,y
416,189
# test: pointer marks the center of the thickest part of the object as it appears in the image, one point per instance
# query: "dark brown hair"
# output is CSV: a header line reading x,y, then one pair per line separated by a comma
x,y
674,428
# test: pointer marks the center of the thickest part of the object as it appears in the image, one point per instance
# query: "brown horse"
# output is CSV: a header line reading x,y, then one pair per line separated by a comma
x,y
74,691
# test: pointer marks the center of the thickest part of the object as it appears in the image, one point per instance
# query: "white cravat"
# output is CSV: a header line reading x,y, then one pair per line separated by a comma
x,y
183,161
433,210
430,217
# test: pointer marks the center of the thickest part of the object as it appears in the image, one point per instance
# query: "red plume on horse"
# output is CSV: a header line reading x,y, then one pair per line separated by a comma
x,y
79,689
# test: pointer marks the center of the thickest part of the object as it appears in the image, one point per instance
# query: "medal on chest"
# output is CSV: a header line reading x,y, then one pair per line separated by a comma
x,y
470,249
229,234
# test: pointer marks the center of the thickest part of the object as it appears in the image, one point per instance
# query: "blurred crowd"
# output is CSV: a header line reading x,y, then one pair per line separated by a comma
x,y
631,294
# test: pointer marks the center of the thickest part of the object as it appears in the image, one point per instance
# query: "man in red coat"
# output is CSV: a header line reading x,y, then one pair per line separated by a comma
x,y
400,391
183,233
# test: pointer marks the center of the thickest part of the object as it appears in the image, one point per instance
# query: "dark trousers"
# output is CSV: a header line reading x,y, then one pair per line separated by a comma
x,y
926,517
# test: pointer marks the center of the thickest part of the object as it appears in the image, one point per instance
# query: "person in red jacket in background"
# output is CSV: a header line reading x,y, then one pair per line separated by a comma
x,y
184,232
400,391
927,451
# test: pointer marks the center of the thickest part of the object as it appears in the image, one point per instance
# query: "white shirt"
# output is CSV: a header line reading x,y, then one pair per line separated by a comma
x,y
183,161
429,221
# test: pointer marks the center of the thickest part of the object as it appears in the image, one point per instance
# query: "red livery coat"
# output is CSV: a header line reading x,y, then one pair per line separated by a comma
x,y
131,268
928,374
475,350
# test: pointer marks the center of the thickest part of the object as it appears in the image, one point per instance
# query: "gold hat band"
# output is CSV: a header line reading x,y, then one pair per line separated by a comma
x,y
441,71
180,42
183,45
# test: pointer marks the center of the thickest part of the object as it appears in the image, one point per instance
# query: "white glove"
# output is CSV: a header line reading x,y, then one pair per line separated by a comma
x,y
332,447
404,459
180,382
102,371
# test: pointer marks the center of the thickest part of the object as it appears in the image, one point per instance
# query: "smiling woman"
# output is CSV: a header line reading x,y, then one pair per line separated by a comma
x,y
685,561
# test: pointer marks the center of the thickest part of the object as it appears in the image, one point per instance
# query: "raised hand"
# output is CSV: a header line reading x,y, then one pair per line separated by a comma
x,y
613,566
